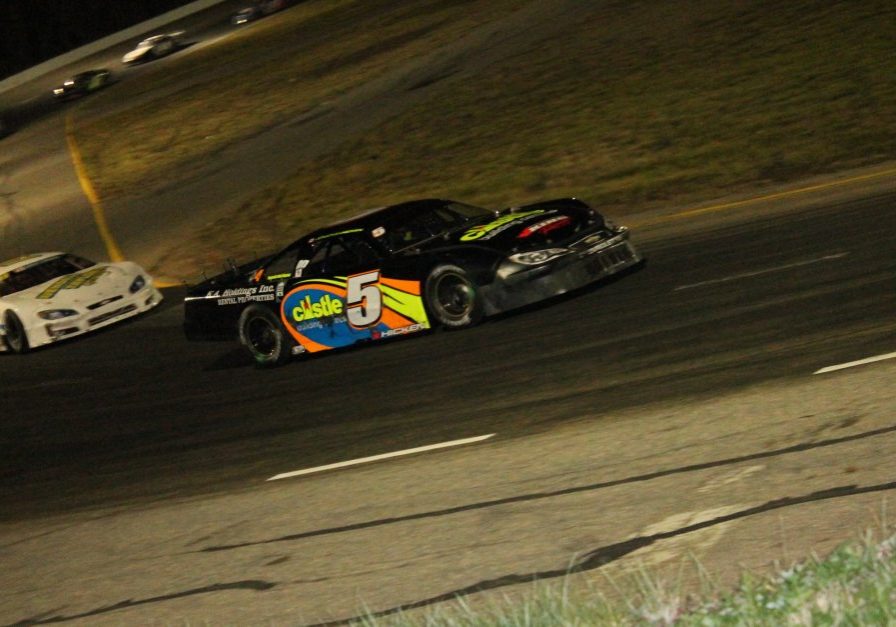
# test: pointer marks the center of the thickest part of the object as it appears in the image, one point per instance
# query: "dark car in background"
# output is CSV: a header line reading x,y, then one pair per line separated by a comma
x,y
257,10
404,269
82,84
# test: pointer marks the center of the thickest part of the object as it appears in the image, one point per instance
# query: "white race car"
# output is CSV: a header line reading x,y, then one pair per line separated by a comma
x,y
153,48
46,297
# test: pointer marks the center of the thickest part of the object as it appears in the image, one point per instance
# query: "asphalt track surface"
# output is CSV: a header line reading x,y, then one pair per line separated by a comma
x,y
136,413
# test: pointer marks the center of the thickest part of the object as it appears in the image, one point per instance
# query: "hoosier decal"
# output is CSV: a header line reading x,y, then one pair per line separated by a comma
x,y
72,282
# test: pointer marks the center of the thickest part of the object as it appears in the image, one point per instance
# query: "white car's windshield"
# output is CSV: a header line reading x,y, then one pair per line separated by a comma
x,y
41,272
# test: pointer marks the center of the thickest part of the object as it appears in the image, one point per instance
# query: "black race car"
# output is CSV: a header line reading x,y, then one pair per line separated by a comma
x,y
82,84
406,268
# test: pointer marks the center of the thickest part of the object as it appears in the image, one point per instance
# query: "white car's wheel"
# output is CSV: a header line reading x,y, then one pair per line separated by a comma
x,y
16,338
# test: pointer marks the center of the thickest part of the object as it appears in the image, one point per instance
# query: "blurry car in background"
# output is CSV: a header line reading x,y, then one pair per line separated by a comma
x,y
244,16
82,84
257,10
47,297
153,48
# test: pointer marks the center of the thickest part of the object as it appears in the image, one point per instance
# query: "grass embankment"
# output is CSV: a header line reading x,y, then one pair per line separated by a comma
x,y
854,585
633,106
191,107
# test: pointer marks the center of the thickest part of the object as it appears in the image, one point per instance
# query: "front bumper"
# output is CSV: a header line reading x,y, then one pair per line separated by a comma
x,y
42,332
517,286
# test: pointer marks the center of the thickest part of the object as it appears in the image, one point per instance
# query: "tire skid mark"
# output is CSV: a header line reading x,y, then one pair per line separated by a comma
x,y
612,552
249,584
796,448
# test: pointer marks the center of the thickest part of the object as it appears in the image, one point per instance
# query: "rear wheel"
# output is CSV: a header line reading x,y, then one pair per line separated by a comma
x,y
16,338
452,297
264,337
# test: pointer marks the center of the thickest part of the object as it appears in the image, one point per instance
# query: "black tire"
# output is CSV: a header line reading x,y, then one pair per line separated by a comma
x,y
452,298
16,338
264,337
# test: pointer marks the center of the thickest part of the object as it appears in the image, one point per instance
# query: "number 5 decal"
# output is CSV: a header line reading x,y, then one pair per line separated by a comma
x,y
364,301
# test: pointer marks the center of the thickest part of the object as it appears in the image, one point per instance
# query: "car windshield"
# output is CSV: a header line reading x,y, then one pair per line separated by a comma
x,y
408,229
41,272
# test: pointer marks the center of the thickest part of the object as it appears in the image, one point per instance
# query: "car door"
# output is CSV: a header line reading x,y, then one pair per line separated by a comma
x,y
94,82
163,46
339,296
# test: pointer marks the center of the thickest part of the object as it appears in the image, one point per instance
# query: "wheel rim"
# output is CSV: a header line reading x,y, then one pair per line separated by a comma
x,y
262,337
454,296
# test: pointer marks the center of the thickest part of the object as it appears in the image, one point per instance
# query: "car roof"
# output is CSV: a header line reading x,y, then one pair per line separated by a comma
x,y
25,260
374,217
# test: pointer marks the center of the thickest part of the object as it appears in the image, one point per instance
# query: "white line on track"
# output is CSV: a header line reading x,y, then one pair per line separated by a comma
x,y
748,275
375,458
852,364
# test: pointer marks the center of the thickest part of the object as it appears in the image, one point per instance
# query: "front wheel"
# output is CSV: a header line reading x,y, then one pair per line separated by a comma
x,y
452,297
264,337
16,338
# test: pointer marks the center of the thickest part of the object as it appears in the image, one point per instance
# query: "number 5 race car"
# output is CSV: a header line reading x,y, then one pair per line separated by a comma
x,y
50,296
404,269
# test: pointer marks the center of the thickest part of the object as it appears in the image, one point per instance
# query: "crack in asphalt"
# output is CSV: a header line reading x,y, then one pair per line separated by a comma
x,y
606,554
796,448
248,584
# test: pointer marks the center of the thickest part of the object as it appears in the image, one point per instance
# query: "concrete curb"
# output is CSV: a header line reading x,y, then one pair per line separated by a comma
x,y
101,44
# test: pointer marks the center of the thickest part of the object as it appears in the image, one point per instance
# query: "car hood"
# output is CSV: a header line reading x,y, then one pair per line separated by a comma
x,y
531,226
135,54
78,290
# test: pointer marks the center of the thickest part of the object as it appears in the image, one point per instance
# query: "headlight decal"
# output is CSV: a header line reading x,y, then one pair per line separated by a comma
x,y
137,284
537,257
56,314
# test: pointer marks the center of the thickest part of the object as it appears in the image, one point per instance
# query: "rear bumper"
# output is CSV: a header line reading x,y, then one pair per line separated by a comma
x,y
514,287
